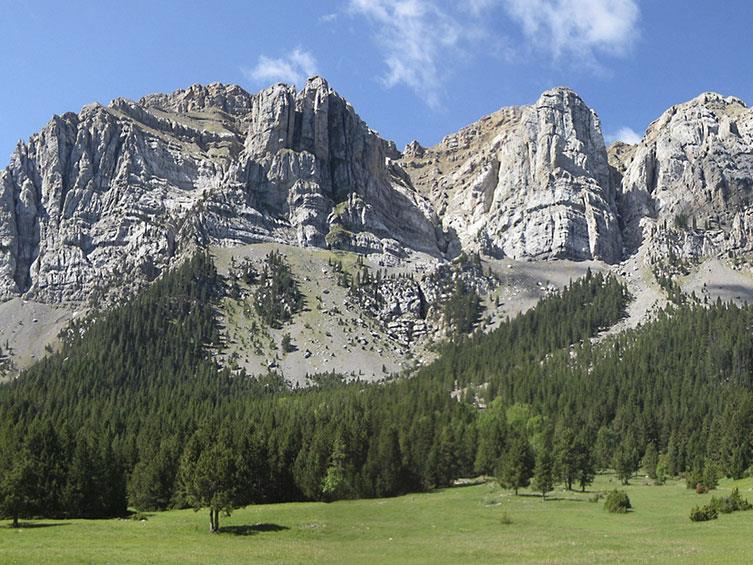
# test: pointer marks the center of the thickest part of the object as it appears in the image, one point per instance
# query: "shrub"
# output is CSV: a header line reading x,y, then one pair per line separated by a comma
x,y
703,513
731,503
700,488
617,501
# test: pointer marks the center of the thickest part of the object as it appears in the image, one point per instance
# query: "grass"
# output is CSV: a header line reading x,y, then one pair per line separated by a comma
x,y
473,524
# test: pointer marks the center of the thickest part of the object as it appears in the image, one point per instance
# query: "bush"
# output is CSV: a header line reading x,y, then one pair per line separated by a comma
x,y
731,503
703,513
618,502
700,488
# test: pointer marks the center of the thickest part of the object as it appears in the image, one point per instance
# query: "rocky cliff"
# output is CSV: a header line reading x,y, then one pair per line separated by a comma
x,y
525,182
689,184
112,195
123,189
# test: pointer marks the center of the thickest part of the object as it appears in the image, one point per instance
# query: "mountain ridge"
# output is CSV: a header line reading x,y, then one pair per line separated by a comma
x,y
302,167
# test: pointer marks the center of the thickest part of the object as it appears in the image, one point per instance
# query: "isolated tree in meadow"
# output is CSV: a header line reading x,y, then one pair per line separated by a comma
x,y
516,467
543,473
209,475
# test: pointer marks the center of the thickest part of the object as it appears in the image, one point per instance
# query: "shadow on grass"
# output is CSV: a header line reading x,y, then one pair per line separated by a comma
x,y
250,530
31,525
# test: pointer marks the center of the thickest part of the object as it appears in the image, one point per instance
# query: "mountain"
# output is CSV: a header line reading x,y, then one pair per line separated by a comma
x,y
693,171
525,182
123,189
385,247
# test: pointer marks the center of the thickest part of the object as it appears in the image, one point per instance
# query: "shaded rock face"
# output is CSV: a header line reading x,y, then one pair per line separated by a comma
x,y
113,194
692,175
526,182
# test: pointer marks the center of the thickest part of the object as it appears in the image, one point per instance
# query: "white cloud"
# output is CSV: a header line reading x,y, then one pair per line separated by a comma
x,y
294,68
419,40
626,135
577,27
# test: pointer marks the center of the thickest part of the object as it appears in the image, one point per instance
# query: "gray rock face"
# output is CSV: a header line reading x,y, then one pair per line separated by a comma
x,y
525,182
692,175
112,195
118,192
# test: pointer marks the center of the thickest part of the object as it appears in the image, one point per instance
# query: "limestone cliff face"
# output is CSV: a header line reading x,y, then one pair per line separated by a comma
x,y
689,183
525,182
113,194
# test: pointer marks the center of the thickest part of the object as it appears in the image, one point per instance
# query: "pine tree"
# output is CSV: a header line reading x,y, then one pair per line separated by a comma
x,y
18,478
543,473
208,475
516,466
650,460
566,456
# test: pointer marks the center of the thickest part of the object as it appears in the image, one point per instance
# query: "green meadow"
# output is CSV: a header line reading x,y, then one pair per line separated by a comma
x,y
481,523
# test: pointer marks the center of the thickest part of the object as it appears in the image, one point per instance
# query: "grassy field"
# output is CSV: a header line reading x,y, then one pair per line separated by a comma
x,y
458,525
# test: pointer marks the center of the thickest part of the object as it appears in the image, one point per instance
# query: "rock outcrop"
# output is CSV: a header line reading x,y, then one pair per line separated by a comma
x,y
525,182
689,183
124,189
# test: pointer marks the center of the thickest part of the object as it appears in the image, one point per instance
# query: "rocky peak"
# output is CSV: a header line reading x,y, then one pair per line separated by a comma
x,y
694,166
527,181
229,98
125,189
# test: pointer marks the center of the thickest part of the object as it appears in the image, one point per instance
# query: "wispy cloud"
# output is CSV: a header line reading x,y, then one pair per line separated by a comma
x,y
584,28
420,39
293,68
328,18
626,135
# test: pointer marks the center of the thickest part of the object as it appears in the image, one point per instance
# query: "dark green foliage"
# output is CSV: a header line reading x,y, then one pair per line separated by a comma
x,y
287,343
650,460
517,465
626,460
277,297
732,503
703,513
617,501
462,309
121,401
543,473
212,473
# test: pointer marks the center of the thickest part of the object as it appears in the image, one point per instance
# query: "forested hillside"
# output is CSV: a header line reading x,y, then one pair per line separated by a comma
x,y
134,411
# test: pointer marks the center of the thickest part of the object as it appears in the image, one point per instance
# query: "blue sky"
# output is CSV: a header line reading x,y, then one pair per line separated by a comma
x,y
411,68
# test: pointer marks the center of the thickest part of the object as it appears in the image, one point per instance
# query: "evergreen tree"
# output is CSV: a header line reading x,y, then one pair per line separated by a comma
x,y
18,478
566,456
650,460
517,464
626,461
208,475
543,473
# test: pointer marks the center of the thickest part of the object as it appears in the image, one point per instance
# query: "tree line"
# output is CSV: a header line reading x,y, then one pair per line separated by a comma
x,y
134,411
